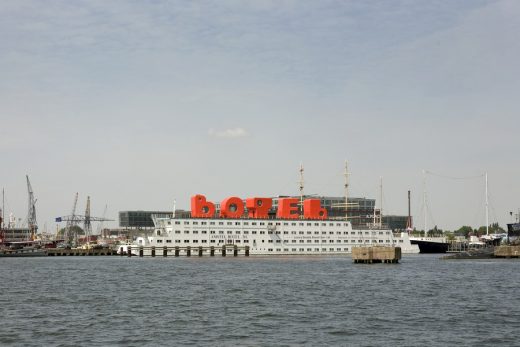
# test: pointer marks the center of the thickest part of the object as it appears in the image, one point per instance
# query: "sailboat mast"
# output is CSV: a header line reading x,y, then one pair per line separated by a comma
x,y
424,203
409,220
301,190
3,208
346,190
381,201
487,206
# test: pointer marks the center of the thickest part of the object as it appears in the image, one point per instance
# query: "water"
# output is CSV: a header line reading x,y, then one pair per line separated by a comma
x,y
100,301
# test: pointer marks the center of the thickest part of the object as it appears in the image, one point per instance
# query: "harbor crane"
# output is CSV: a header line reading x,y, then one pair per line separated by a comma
x,y
31,211
70,233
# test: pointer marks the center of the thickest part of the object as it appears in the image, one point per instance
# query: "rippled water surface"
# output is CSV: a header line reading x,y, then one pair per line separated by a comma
x,y
100,301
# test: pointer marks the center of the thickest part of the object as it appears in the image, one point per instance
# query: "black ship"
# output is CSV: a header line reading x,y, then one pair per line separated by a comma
x,y
431,244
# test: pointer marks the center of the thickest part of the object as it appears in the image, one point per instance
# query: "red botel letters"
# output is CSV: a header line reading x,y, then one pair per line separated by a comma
x,y
312,209
287,208
232,207
258,207
200,208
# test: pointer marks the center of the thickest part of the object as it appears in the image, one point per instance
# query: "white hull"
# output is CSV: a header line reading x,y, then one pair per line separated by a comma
x,y
264,237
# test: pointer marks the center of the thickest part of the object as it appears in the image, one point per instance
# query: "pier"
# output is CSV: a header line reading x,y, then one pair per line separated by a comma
x,y
371,255
59,252
507,252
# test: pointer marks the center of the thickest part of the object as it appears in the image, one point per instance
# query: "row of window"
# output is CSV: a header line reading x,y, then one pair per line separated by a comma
x,y
276,241
197,241
308,249
330,241
261,223
246,232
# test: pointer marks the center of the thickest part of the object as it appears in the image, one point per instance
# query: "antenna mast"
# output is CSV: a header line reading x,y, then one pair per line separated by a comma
x,y
346,190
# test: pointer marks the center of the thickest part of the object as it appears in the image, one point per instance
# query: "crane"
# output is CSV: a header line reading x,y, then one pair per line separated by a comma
x,y
86,223
67,234
31,210
100,225
74,219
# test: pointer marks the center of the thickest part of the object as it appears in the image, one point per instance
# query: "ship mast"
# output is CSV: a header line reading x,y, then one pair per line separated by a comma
x,y
346,190
487,206
3,209
424,202
381,202
301,190
409,220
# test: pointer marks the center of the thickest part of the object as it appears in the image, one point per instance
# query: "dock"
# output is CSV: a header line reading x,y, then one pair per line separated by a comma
x,y
507,252
371,255
489,252
62,252
188,251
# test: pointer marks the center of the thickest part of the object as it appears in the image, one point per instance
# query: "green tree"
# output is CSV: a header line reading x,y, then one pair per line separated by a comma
x,y
494,228
449,235
435,232
464,231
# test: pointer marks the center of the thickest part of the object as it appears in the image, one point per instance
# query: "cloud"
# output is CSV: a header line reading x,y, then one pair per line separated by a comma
x,y
229,133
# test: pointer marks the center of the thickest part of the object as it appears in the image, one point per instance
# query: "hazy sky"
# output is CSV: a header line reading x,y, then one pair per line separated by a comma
x,y
136,103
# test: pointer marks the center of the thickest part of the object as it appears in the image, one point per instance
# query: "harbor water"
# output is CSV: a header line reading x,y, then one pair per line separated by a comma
x,y
286,301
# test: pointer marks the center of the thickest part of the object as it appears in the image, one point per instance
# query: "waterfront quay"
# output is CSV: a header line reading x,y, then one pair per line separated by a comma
x,y
152,251
57,252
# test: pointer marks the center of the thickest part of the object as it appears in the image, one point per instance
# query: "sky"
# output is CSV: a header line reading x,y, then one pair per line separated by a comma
x,y
140,103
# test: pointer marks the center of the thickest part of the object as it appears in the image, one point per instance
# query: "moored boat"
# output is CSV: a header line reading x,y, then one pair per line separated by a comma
x,y
430,244
288,233
23,252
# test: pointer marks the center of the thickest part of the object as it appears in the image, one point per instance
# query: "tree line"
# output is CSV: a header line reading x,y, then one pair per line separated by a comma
x,y
464,231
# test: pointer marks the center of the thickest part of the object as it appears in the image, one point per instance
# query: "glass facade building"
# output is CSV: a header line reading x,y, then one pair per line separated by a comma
x,y
139,219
